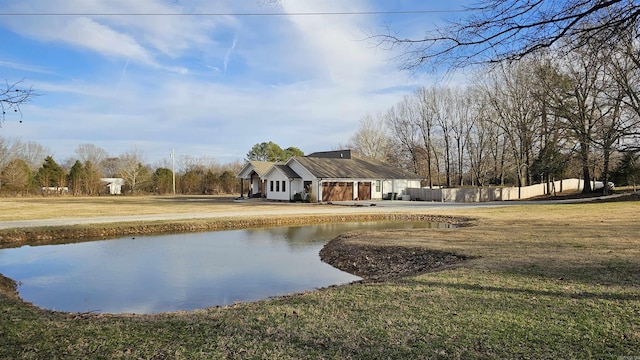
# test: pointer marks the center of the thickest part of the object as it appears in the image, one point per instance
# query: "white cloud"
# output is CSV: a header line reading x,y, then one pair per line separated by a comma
x,y
25,67
85,32
206,85
138,35
337,44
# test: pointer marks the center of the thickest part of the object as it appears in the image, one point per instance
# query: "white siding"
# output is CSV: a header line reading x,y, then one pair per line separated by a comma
x,y
376,195
305,176
297,185
274,186
398,186
300,170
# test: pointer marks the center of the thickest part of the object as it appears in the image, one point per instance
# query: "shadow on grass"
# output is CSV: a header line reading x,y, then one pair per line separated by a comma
x,y
568,294
606,272
572,281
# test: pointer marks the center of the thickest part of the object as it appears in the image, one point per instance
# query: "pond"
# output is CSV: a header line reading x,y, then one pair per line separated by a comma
x,y
152,274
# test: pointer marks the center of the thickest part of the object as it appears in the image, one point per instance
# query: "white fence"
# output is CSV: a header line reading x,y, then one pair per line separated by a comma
x,y
481,194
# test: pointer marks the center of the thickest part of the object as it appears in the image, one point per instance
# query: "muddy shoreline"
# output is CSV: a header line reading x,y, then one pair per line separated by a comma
x,y
374,262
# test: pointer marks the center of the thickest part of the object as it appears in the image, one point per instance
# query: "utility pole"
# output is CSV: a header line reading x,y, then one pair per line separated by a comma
x,y
173,168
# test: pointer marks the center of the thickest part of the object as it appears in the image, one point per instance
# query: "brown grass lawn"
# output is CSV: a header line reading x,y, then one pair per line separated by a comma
x,y
29,208
545,282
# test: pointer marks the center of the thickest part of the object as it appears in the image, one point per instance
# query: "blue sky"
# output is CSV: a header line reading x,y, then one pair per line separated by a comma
x,y
207,85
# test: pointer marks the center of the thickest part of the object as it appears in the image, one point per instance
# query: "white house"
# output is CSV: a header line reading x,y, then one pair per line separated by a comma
x,y
332,176
114,185
253,171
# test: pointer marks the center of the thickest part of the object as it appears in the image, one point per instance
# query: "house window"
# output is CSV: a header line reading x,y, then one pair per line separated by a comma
x,y
277,185
284,187
378,185
271,185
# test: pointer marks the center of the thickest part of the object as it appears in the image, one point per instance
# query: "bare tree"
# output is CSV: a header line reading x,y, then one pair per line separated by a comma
x,y
401,120
90,152
479,138
498,30
516,112
623,64
132,170
372,138
580,99
5,156
427,124
620,120
16,177
441,103
31,152
12,96
462,111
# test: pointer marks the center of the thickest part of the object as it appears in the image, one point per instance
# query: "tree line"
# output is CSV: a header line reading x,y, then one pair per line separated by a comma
x,y
27,169
547,116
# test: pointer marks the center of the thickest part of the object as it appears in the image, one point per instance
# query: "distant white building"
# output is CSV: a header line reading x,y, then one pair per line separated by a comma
x,y
114,185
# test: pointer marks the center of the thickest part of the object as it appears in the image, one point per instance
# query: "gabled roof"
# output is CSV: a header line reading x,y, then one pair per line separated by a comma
x,y
351,168
284,169
260,167
287,171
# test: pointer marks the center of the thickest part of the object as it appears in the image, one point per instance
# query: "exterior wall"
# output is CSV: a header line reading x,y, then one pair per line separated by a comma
x,y
297,186
399,187
274,188
376,191
493,193
305,175
300,170
255,184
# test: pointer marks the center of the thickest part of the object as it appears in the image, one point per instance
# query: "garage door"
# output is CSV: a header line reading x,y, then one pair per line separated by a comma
x,y
364,191
337,191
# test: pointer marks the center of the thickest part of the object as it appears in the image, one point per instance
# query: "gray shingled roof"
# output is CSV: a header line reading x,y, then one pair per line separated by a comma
x,y
354,168
288,171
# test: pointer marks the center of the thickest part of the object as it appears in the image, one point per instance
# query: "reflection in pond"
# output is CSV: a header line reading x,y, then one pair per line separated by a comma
x,y
154,274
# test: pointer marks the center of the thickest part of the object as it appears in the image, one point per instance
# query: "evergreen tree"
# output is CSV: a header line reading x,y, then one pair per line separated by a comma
x,y
75,178
270,151
163,181
628,170
50,174
91,179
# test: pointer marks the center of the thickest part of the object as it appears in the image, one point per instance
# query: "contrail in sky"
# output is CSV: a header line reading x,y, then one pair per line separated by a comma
x,y
124,71
228,55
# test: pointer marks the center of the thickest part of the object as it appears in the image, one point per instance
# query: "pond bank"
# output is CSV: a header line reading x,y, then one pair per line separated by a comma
x,y
62,234
376,262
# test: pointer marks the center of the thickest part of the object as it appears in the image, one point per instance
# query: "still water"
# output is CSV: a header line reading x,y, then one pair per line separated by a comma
x,y
152,274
